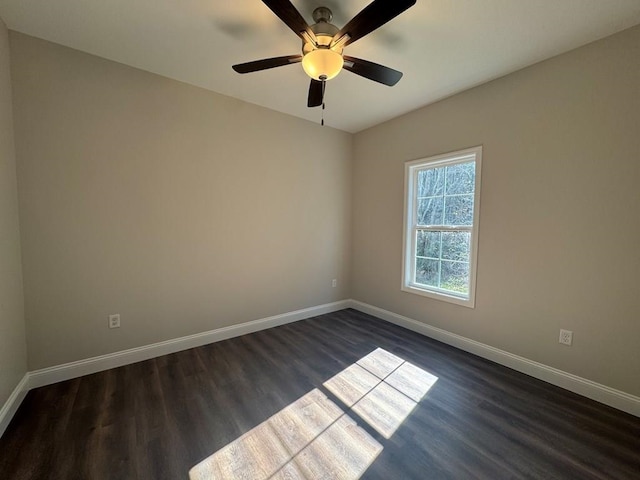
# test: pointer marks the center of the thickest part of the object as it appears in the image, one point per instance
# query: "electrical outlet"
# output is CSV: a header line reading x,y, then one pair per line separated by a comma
x,y
334,282
114,320
566,337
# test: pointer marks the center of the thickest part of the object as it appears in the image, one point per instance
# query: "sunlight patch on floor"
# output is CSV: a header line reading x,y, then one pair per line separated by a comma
x,y
382,389
314,438
310,438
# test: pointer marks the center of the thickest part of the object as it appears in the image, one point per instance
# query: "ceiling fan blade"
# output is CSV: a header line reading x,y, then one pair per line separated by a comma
x,y
316,93
372,71
286,12
266,63
374,15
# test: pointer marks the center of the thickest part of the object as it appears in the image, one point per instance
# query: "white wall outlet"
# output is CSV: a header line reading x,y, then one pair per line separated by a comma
x,y
114,320
334,282
566,337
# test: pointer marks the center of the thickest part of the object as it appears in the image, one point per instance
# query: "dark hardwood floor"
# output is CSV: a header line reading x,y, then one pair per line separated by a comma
x,y
254,397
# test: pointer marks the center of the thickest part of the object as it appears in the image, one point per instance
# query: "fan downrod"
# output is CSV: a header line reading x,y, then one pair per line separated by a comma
x,y
322,14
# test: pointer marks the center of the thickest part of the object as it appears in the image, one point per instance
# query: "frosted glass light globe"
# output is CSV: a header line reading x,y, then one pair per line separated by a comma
x,y
322,62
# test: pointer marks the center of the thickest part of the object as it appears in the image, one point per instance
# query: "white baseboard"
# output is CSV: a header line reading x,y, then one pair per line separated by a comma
x,y
59,373
46,376
10,407
595,391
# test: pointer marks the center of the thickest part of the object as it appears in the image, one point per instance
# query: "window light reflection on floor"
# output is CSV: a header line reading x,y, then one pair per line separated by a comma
x,y
314,438
382,389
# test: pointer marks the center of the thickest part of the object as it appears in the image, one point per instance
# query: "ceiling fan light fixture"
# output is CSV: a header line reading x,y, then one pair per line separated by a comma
x,y
322,63
323,44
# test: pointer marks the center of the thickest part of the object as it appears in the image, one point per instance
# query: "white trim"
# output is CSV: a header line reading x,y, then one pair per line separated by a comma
x,y
46,376
59,373
587,388
67,371
10,407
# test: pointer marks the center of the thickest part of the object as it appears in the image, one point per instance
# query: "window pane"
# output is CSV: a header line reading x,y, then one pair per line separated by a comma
x,y
430,211
461,178
458,210
431,182
455,276
455,245
428,244
427,272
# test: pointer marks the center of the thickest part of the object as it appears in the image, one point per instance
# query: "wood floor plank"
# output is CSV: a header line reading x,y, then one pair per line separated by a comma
x,y
247,396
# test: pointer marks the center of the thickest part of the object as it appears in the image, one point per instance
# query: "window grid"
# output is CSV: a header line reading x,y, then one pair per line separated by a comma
x,y
437,228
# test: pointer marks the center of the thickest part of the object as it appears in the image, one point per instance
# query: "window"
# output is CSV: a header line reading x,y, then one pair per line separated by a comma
x,y
442,196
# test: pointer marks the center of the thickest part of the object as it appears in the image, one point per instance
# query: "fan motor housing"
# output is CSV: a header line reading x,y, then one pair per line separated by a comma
x,y
323,30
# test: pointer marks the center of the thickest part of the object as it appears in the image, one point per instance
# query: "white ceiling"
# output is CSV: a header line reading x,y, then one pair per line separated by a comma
x,y
442,46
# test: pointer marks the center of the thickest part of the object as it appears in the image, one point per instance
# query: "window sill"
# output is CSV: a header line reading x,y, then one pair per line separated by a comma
x,y
465,302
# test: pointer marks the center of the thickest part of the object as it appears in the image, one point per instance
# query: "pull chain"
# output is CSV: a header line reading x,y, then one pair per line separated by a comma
x,y
323,85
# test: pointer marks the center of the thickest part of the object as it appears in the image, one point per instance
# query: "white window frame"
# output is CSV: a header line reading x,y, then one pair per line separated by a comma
x,y
410,225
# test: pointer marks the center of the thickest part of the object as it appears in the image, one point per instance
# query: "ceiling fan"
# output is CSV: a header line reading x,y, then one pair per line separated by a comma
x,y
323,43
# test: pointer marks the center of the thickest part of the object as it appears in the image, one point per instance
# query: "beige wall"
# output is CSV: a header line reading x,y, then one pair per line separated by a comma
x,y
13,354
559,241
178,208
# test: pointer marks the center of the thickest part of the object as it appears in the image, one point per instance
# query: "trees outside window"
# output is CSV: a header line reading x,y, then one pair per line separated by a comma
x,y
441,226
